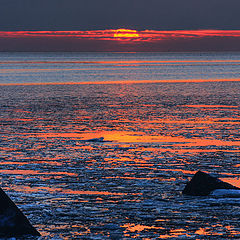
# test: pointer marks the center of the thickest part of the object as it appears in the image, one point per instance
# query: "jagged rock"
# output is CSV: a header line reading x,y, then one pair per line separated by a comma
x,y
101,139
13,222
203,184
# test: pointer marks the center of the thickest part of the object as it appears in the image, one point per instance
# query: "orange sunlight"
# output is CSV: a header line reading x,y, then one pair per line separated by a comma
x,y
125,33
112,40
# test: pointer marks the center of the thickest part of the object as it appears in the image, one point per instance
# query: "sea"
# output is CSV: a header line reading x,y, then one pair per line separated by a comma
x,y
101,145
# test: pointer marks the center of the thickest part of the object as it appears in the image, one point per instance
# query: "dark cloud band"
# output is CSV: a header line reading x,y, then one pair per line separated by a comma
x,y
121,40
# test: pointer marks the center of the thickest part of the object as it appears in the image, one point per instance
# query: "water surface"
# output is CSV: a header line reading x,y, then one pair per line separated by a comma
x,y
153,137
112,67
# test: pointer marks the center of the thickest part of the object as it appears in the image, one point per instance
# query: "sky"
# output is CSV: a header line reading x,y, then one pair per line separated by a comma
x,y
113,14
121,40
97,16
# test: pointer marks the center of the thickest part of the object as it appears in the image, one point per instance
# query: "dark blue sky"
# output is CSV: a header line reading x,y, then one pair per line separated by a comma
x,y
112,14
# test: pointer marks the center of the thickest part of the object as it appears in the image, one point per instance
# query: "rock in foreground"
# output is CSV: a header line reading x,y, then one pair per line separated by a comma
x,y
203,184
13,222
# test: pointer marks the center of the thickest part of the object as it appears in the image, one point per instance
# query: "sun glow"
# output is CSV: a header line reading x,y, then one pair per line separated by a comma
x,y
123,40
125,33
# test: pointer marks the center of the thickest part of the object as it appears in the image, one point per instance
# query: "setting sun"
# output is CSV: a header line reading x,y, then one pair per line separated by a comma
x,y
125,33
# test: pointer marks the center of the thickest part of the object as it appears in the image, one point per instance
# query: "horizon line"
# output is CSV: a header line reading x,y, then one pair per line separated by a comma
x,y
120,40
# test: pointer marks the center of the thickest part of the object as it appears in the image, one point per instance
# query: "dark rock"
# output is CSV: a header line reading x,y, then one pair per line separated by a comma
x,y
101,139
203,184
13,222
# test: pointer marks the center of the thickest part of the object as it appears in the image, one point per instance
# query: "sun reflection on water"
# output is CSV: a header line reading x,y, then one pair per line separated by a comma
x,y
112,159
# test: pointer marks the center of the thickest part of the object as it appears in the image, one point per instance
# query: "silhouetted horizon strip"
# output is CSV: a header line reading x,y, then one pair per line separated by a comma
x,y
120,40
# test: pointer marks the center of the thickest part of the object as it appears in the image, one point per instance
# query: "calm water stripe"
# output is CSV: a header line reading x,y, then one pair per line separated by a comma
x,y
110,67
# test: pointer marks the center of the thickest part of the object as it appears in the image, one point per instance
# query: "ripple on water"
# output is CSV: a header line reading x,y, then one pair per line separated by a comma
x,y
156,136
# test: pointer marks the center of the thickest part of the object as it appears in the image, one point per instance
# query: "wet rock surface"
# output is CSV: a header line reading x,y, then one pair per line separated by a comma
x,y
128,186
13,222
202,184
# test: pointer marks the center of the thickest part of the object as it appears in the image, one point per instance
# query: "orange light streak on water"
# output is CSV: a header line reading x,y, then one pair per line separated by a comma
x,y
174,233
207,231
122,82
69,191
137,227
137,137
33,172
116,63
13,163
211,106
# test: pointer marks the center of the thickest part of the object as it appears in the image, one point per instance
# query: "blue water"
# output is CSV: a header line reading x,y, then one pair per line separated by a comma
x,y
156,136
95,67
